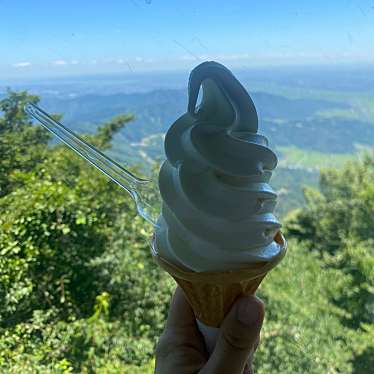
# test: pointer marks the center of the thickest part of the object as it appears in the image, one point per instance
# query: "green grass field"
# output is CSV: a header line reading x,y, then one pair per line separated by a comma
x,y
296,157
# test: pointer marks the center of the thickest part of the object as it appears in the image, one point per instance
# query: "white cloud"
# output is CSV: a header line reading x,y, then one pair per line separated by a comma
x,y
187,58
60,62
228,57
22,64
74,62
243,56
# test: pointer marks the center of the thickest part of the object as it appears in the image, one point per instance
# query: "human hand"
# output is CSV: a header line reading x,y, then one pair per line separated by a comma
x,y
181,348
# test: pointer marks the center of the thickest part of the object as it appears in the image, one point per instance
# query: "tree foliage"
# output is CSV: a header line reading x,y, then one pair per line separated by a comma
x,y
302,330
338,225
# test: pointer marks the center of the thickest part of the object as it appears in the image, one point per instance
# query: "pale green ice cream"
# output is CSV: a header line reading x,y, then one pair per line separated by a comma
x,y
217,211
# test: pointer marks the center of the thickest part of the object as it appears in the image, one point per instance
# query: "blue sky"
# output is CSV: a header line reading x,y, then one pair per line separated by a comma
x,y
39,38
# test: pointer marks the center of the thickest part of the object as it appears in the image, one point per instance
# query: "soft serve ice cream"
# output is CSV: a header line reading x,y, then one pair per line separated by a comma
x,y
217,211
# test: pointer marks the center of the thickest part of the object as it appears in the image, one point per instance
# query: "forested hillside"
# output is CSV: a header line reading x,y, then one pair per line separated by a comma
x,y
79,290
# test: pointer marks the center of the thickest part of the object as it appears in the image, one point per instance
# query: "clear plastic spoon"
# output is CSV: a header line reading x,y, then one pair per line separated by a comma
x,y
145,192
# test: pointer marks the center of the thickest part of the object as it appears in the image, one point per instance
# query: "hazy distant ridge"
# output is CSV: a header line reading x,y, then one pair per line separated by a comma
x,y
287,122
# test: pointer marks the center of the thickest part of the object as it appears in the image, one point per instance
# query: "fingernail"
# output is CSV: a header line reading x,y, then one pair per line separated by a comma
x,y
249,311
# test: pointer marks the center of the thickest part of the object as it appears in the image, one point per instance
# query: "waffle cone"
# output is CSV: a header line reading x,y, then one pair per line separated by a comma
x,y
211,294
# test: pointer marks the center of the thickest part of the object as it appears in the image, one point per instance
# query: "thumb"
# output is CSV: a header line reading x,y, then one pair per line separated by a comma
x,y
238,337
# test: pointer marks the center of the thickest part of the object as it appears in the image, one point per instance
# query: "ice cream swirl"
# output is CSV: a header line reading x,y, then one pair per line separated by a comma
x,y
217,211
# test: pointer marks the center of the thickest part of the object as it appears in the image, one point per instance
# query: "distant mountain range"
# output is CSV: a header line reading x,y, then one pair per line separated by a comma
x,y
286,122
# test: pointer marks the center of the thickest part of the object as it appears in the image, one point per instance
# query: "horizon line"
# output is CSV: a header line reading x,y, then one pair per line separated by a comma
x,y
176,70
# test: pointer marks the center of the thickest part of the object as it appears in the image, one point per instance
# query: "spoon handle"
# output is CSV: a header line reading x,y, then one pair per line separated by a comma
x,y
122,177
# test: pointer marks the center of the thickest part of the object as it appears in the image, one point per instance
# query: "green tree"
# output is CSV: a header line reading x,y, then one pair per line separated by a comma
x,y
64,243
22,145
337,224
302,331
